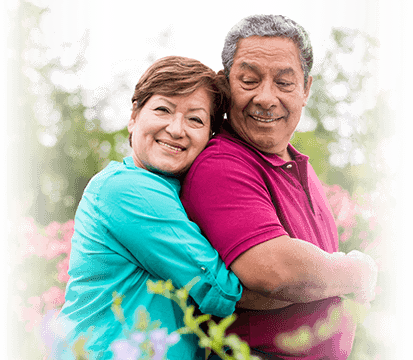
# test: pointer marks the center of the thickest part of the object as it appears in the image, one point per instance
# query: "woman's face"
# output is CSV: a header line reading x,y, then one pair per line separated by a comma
x,y
169,132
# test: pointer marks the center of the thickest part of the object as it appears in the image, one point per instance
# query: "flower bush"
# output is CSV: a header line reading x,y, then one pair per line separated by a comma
x,y
40,260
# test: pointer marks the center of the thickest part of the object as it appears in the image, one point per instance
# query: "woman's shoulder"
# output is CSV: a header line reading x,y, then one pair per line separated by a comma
x,y
120,180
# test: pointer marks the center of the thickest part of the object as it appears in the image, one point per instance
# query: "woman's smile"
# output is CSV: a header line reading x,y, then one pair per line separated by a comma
x,y
176,148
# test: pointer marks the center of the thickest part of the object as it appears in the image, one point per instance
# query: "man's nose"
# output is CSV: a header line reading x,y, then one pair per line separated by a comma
x,y
267,95
176,128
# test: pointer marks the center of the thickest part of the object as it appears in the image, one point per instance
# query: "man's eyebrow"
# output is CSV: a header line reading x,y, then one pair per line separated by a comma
x,y
246,66
286,71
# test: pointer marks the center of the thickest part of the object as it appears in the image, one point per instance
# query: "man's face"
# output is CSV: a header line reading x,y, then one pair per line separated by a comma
x,y
267,91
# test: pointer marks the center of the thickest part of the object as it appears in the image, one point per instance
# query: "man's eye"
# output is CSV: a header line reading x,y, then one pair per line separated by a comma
x,y
249,81
286,86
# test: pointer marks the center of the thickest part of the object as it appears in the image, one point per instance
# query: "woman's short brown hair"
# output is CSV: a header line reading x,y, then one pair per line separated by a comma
x,y
180,76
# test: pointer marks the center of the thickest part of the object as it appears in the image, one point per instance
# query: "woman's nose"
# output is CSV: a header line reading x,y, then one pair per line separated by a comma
x,y
176,127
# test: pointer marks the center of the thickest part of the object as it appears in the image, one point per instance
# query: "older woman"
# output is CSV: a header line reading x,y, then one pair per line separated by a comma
x,y
131,227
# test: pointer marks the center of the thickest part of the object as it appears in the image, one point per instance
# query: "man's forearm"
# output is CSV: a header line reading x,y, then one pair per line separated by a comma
x,y
294,270
256,301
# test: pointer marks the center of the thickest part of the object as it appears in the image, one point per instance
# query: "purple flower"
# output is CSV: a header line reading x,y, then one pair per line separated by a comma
x,y
125,350
128,349
47,328
161,341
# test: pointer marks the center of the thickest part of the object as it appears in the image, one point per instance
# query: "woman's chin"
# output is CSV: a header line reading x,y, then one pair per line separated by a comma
x,y
168,169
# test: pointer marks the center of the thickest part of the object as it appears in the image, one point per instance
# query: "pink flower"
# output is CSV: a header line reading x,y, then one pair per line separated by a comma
x,y
371,245
34,245
32,315
378,290
67,237
63,268
53,298
373,222
68,226
364,245
343,207
52,229
55,248
346,235
35,301
27,227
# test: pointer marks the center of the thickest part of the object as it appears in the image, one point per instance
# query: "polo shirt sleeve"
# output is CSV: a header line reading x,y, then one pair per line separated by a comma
x,y
143,213
227,197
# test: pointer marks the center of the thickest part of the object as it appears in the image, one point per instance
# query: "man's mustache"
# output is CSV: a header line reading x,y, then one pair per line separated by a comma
x,y
264,113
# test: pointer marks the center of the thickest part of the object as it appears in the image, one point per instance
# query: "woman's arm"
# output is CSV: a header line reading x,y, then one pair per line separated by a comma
x,y
149,221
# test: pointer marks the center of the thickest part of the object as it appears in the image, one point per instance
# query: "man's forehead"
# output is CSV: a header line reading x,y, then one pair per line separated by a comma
x,y
256,68
258,52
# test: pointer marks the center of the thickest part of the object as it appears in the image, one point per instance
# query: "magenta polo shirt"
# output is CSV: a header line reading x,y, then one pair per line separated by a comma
x,y
241,197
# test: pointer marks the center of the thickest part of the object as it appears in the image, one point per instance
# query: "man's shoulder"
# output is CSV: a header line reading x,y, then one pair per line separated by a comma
x,y
224,146
226,140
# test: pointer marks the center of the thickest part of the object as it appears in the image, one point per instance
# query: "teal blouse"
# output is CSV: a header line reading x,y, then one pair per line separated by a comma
x,y
130,227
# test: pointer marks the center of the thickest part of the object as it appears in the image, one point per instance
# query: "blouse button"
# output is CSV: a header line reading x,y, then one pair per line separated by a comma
x,y
289,166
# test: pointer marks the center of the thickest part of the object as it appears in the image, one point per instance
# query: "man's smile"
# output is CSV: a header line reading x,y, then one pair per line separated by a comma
x,y
265,120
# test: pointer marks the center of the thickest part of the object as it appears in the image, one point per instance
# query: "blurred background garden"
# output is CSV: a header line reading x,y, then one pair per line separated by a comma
x,y
71,70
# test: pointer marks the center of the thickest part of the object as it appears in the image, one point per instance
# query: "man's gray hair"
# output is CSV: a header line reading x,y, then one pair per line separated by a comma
x,y
271,26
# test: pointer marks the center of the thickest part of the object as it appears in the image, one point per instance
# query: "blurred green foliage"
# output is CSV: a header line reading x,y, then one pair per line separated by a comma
x,y
57,141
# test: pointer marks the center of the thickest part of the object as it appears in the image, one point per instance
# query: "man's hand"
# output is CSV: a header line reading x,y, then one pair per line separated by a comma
x,y
368,271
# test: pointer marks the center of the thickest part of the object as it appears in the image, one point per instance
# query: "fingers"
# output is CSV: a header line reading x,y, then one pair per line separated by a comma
x,y
368,271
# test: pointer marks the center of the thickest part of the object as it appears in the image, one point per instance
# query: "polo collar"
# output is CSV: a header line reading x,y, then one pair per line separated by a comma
x,y
128,161
228,133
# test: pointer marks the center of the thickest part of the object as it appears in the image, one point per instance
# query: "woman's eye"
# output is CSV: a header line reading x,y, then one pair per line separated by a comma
x,y
197,120
162,109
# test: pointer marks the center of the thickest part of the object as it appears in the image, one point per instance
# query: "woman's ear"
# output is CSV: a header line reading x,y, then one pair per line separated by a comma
x,y
131,123
133,116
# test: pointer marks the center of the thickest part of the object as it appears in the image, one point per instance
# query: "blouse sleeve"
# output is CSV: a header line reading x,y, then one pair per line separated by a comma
x,y
144,215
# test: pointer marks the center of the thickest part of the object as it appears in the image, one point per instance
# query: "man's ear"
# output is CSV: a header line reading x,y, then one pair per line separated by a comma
x,y
307,90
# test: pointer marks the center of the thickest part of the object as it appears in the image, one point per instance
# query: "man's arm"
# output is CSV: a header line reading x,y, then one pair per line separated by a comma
x,y
253,300
295,271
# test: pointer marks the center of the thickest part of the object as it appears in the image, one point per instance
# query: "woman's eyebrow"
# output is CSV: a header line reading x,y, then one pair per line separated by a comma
x,y
171,104
198,109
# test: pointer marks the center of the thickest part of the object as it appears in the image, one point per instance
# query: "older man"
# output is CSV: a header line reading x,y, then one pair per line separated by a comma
x,y
261,205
